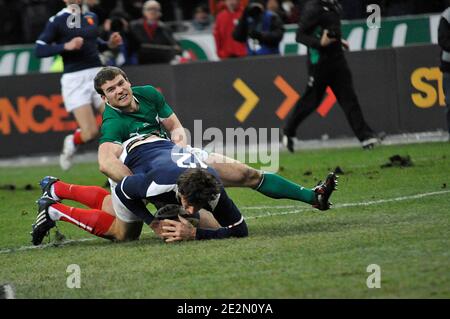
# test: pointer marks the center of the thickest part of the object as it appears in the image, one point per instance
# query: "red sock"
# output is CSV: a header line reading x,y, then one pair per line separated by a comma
x,y
77,140
94,221
91,196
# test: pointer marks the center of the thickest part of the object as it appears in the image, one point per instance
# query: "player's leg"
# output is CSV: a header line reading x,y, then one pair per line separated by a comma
x,y
232,172
77,95
125,231
91,196
236,174
342,86
100,202
310,100
94,221
87,131
87,122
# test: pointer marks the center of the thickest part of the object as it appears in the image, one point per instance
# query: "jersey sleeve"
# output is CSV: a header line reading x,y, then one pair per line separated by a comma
x,y
112,131
45,45
162,108
229,217
308,21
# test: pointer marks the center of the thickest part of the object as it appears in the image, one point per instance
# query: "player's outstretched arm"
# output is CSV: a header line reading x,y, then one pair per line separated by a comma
x,y
177,134
109,163
183,230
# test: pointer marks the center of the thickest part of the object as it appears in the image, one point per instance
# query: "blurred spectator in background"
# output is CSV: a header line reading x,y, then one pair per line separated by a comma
x,y
262,29
201,20
155,42
94,6
215,6
286,10
74,35
226,20
291,11
444,43
274,6
126,53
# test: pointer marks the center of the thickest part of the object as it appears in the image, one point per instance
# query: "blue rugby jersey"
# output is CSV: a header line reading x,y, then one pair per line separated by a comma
x,y
156,167
57,32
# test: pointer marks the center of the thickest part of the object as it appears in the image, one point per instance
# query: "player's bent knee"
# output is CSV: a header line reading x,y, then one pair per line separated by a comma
x,y
252,177
123,232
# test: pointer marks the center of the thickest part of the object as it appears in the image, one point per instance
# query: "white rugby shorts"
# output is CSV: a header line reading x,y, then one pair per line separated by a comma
x,y
78,89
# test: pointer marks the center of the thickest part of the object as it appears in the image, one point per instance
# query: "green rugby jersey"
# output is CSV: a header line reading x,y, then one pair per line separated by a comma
x,y
118,126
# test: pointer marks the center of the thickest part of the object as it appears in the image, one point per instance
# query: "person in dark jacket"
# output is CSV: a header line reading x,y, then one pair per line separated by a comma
x,y
262,29
444,43
320,30
153,39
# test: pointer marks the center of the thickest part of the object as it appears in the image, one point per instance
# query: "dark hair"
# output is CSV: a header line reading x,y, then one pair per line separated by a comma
x,y
201,8
108,73
198,186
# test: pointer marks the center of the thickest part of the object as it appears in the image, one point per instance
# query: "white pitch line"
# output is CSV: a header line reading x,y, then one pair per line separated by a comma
x,y
369,203
24,248
375,202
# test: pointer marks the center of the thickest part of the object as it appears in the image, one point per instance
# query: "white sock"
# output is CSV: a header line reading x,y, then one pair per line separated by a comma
x,y
54,213
52,192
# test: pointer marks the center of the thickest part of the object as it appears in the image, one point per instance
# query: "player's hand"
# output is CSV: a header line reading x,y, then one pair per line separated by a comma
x,y
178,230
325,40
115,40
156,226
74,44
345,44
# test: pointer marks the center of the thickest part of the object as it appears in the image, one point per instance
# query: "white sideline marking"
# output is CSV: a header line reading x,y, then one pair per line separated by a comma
x,y
23,248
299,210
375,202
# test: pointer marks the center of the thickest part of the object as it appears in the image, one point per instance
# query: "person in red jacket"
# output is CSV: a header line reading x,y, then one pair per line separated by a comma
x,y
226,20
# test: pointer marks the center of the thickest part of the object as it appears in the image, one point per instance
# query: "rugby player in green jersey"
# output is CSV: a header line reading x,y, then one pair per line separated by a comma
x,y
140,114
136,116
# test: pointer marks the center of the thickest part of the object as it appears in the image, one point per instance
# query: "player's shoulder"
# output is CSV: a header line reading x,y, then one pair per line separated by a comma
x,y
60,16
146,91
446,14
109,113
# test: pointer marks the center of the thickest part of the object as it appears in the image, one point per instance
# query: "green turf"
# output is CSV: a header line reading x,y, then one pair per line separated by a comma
x,y
291,252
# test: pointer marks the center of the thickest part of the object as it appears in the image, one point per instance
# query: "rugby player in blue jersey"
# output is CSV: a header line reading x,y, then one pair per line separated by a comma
x,y
133,143
74,35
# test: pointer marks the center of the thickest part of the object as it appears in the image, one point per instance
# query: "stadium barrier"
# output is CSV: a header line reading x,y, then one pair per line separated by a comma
x,y
400,91
200,46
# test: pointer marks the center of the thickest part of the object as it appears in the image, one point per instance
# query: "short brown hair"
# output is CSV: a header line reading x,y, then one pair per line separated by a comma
x,y
198,186
108,73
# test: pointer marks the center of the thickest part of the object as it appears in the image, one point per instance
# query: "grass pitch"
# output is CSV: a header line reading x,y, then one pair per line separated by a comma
x,y
397,218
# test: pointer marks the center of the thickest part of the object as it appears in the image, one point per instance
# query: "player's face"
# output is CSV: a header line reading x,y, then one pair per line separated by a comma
x,y
118,92
191,209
